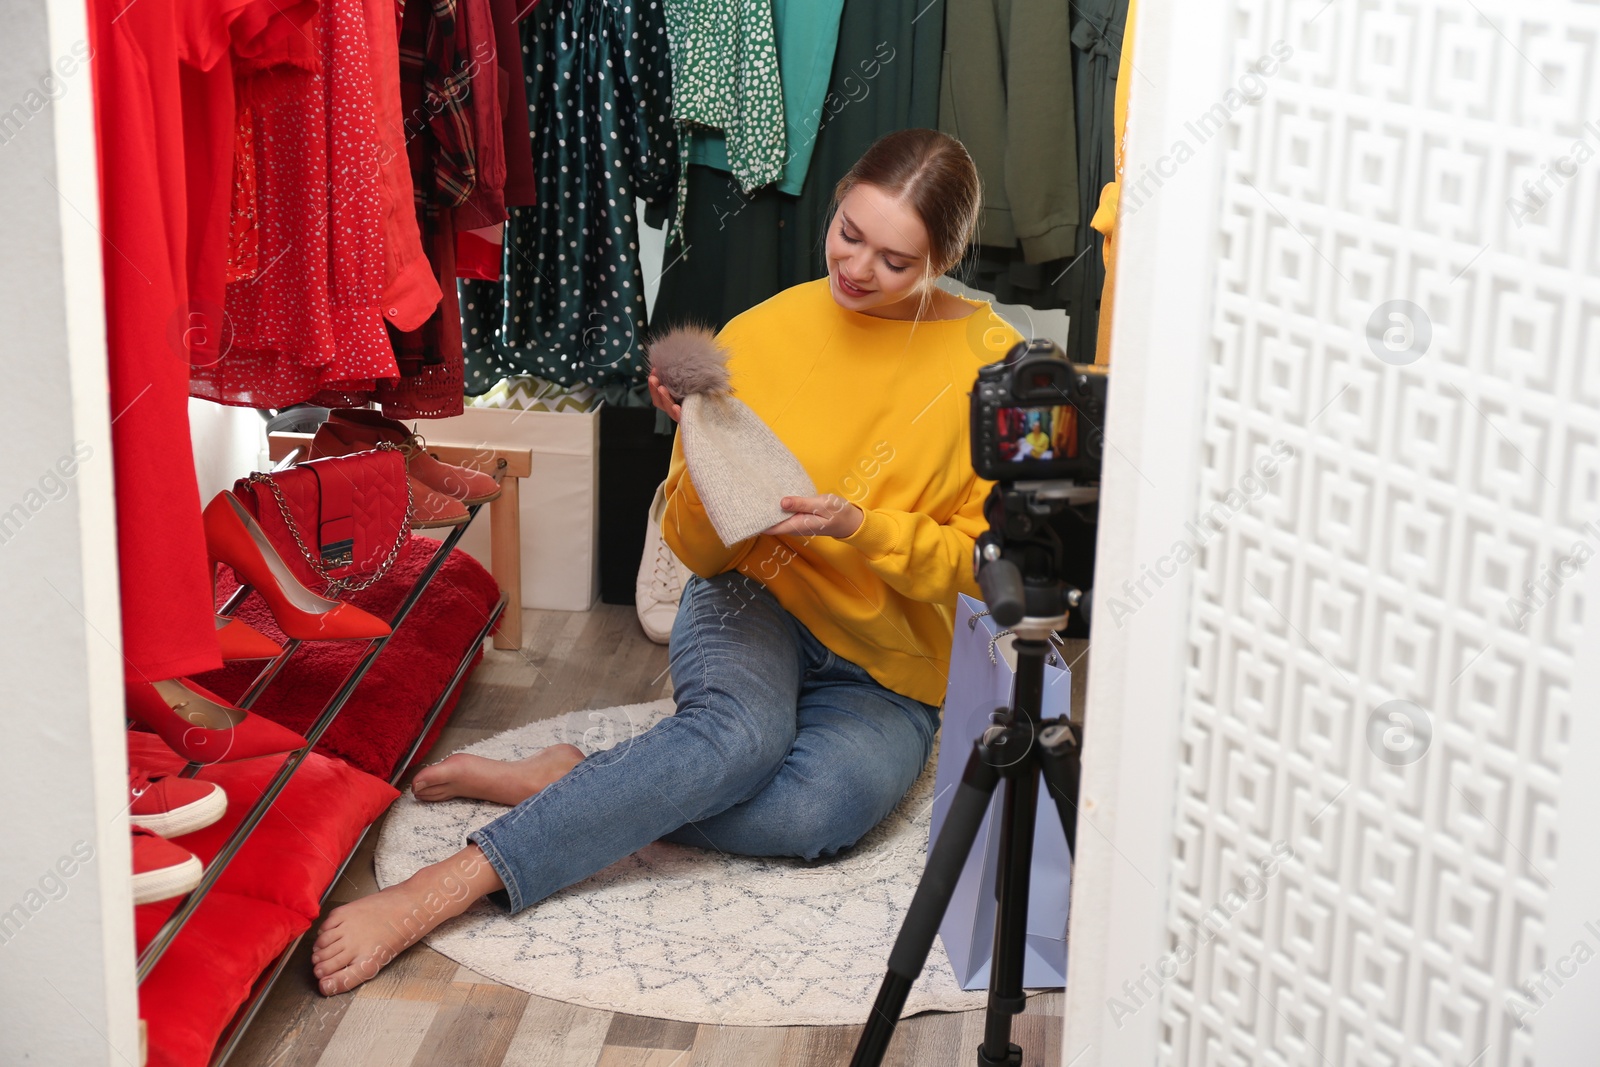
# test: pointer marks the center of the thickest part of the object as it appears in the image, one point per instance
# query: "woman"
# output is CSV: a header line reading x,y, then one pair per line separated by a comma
x,y
808,661
1038,440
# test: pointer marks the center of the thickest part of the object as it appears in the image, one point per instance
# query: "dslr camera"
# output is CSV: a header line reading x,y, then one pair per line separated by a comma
x,y
1036,416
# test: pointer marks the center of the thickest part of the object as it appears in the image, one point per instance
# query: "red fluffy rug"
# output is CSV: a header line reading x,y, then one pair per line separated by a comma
x,y
388,707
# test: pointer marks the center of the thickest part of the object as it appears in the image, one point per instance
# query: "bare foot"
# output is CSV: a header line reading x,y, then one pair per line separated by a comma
x,y
360,938
507,782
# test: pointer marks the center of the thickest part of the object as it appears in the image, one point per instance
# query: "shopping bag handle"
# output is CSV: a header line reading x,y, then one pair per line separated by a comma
x,y
972,624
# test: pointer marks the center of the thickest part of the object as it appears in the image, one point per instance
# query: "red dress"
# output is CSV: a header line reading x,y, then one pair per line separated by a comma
x,y
210,34
312,313
411,292
437,79
167,627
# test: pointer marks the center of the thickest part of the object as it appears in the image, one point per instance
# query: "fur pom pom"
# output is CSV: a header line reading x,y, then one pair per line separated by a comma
x,y
689,360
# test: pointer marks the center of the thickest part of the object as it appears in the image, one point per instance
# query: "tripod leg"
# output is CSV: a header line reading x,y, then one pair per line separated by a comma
x,y
1006,998
911,947
1060,748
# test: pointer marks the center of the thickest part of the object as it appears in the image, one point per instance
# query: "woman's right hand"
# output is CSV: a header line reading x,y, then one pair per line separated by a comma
x,y
661,398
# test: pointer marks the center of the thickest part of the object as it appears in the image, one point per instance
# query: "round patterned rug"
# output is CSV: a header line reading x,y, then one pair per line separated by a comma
x,y
675,932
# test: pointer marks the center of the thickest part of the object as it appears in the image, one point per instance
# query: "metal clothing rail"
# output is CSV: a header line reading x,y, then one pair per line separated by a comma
x,y
174,925
228,1044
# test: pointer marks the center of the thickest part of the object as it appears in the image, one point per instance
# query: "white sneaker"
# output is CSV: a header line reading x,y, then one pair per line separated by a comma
x,y
662,575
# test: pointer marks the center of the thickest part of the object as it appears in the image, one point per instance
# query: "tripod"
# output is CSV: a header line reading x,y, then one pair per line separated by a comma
x,y
1017,752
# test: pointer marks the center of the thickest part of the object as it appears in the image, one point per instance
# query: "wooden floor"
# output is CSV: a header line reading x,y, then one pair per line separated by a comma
x,y
425,1009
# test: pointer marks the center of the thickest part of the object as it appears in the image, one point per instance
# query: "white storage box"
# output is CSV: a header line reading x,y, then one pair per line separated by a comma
x,y
560,500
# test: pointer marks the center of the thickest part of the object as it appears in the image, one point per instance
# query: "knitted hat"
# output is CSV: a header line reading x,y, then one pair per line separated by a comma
x,y
739,467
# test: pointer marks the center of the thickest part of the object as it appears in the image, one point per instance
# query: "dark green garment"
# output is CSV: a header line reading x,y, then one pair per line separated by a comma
x,y
740,248
1007,94
1097,40
569,306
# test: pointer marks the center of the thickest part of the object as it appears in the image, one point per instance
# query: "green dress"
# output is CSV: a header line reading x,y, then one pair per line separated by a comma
x,y
725,77
569,305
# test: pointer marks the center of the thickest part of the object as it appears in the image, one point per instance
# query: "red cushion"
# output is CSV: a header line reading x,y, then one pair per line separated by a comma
x,y
314,824
268,894
207,972
270,891
384,714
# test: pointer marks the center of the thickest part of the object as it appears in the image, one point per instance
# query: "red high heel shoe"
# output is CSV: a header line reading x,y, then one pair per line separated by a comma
x,y
233,537
239,640
202,727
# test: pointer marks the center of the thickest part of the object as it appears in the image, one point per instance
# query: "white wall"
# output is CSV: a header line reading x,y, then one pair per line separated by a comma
x,y
226,442
66,925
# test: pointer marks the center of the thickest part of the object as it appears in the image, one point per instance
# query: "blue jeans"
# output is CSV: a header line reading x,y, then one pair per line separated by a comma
x,y
778,748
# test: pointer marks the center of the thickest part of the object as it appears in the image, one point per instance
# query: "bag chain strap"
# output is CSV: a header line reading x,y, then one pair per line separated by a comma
x,y
314,559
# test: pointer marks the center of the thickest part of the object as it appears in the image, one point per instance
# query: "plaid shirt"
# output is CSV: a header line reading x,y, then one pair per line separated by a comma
x,y
431,53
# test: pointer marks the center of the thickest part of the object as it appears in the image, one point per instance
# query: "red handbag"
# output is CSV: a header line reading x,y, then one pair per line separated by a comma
x,y
337,522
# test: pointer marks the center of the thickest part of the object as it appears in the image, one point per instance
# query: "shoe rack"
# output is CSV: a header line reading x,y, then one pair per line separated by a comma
x,y
512,465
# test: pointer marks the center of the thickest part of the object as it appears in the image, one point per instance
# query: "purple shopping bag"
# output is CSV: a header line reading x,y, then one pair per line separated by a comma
x,y
979,685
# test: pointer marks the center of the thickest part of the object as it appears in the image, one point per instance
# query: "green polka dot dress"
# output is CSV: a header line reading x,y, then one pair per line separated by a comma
x,y
569,306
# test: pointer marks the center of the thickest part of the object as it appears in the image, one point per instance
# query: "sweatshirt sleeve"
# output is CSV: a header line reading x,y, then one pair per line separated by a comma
x,y
919,558
687,528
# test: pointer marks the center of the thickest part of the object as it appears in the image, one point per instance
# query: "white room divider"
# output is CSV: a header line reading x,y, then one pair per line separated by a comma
x,y
67,993
1340,599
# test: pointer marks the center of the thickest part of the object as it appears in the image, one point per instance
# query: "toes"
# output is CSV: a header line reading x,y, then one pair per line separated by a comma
x,y
326,944
335,956
335,984
433,770
332,965
354,973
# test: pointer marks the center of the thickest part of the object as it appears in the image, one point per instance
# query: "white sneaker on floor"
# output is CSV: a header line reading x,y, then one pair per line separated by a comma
x,y
662,575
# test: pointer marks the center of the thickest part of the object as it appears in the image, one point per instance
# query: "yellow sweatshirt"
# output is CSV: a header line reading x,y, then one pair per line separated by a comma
x,y
876,410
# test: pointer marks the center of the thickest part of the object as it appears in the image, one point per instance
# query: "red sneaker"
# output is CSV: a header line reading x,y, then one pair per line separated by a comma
x,y
171,806
161,869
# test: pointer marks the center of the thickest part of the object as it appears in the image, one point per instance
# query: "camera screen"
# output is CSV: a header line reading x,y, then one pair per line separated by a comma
x,y
1038,433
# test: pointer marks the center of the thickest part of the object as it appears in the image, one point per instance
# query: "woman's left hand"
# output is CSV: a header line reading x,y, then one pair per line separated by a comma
x,y
830,515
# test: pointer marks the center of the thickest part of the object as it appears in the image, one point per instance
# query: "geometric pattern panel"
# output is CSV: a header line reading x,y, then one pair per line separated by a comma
x,y
1398,491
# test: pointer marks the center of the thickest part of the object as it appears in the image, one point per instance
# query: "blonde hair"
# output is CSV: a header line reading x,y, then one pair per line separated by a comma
x,y
932,172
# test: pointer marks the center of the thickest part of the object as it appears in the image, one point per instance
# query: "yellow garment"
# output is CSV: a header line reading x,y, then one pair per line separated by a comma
x,y
1039,441
876,411
1105,216
1066,442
